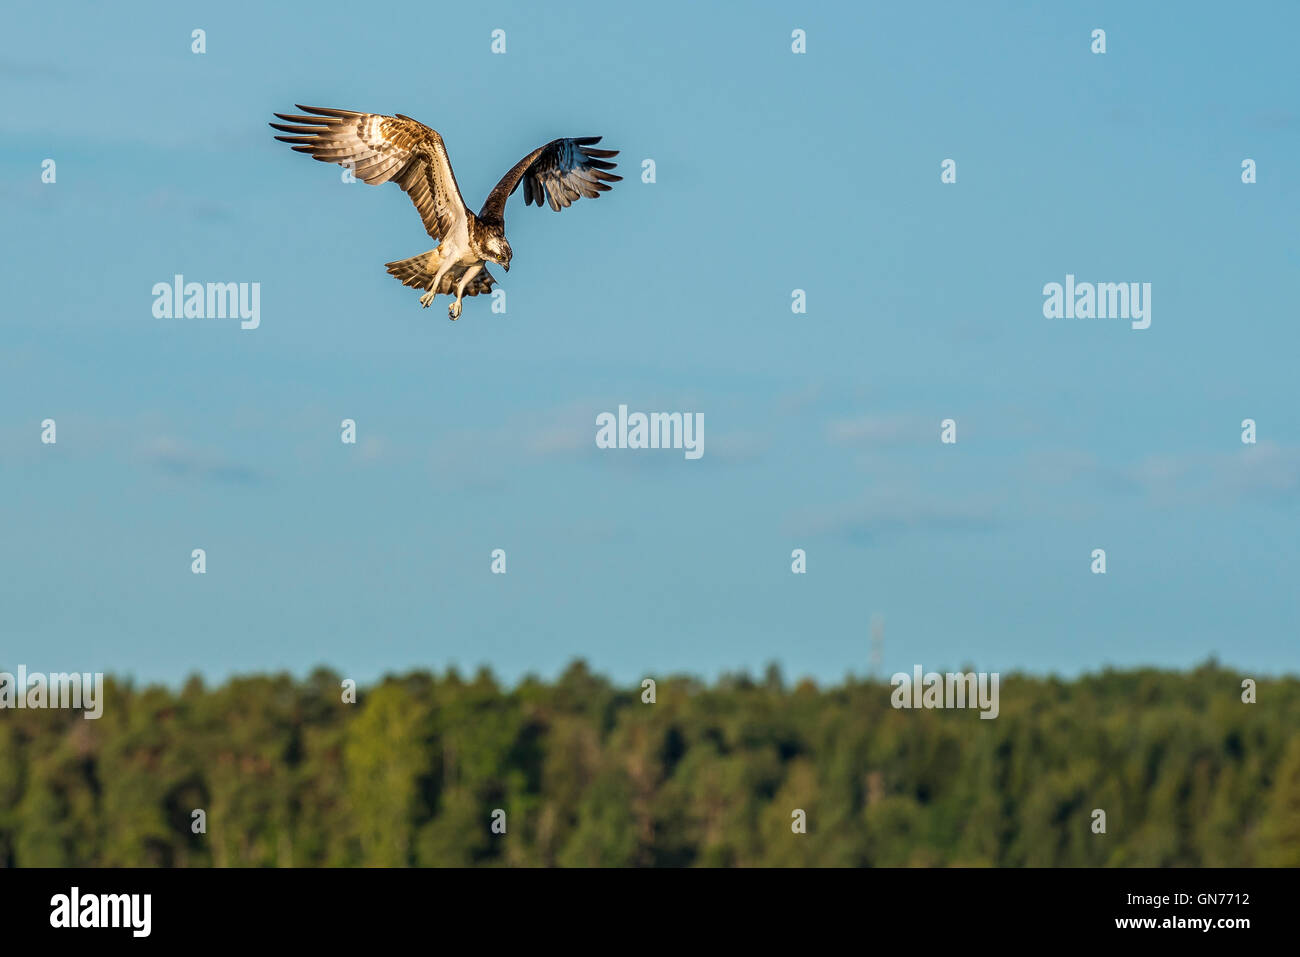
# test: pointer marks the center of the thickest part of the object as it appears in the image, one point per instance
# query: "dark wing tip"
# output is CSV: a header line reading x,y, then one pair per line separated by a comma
x,y
326,111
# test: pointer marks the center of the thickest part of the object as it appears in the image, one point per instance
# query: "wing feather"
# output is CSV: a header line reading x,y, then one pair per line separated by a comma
x,y
381,148
559,173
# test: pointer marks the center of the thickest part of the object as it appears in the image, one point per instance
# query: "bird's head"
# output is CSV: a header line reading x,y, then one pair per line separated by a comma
x,y
499,252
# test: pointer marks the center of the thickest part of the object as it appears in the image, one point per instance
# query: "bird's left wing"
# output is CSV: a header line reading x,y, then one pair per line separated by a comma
x,y
380,148
561,171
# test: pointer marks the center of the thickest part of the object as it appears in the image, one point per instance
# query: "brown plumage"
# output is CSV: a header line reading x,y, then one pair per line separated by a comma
x,y
419,271
381,148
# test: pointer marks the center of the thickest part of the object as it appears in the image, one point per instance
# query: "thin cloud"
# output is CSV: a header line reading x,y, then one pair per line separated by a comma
x,y
178,460
890,514
869,430
1266,471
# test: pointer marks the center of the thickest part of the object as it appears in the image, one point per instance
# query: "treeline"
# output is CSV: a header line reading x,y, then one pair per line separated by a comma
x,y
586,773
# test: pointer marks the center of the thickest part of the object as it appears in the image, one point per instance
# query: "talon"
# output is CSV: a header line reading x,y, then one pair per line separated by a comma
x,y
427,299
453,311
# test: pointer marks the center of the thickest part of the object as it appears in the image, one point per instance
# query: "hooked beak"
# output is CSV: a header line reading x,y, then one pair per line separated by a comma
x,y
506,265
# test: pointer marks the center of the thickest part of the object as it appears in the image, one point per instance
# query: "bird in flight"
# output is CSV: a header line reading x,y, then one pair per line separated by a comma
x,y
380,148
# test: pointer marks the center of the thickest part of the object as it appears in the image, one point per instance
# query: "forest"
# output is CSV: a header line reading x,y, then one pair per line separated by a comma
x,y
429,770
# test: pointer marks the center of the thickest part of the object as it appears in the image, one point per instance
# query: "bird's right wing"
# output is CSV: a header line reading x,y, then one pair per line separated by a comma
x,y
561,172
380,148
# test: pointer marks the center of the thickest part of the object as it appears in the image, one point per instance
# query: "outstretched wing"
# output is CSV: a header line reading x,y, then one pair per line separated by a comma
x,y
561,171
380,148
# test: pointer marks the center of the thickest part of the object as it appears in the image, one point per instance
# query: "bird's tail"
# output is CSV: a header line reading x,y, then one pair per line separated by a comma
x,y
418,271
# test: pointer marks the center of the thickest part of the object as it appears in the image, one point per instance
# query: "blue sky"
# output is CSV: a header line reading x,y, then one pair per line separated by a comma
x,y
775,171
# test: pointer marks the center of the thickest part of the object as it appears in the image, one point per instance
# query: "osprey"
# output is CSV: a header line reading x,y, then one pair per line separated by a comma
x,y
380,148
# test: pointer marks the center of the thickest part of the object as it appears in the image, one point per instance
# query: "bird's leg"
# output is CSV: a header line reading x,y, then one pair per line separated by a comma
x,y
437,281
453,311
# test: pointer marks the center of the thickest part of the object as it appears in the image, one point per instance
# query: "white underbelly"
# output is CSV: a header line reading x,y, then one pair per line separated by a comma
x,y
456,248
